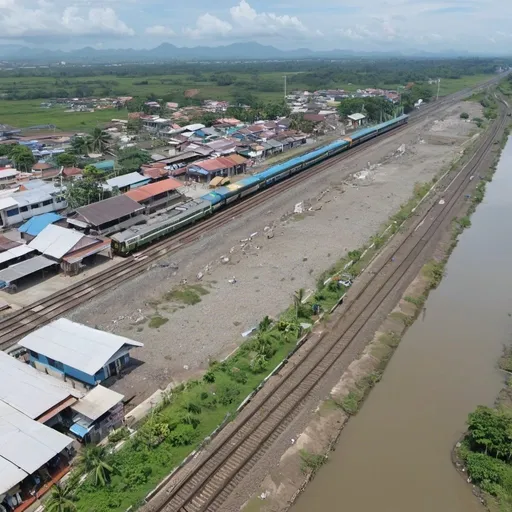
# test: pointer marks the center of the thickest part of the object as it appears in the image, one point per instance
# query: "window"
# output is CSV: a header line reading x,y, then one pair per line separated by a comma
x,y
13,212
59,366
24,209
48,202
34,354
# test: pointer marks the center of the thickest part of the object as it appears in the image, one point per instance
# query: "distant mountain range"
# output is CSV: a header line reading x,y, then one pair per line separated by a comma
x,y
169,52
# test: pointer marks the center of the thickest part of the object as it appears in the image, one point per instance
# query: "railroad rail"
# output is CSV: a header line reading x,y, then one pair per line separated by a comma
x,y
21,322
210,482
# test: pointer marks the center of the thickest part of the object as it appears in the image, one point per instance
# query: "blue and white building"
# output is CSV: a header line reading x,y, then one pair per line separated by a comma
x,y
77,352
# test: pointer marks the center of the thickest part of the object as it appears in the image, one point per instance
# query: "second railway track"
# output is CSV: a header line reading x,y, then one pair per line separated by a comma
x,y
211,481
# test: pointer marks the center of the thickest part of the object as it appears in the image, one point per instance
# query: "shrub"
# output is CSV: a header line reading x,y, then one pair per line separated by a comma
x,y
182,435
193,408
119,435
209,377
464,115
311,462
239,376
228,395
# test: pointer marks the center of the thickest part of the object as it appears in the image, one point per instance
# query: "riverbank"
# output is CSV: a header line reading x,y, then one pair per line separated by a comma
x,y
313,446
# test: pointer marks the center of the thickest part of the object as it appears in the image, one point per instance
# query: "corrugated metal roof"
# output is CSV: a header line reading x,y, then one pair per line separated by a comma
x,y
36,224
15,252
153,189
25,268
97,402
7,202
7,243
76,345
105,164
356,117
55,241
28,390
108,210
127,180
26,444
8,173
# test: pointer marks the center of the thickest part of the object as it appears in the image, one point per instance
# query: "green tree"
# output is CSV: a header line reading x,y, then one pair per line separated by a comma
x,y
92,459
79,145
490,431
297,122
22,158
61,499
92,173
131,159
99,140
298,298
87,190
276,110
66,160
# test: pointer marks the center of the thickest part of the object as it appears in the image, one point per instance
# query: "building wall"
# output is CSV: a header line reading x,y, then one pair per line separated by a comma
x,y
41,363
15,215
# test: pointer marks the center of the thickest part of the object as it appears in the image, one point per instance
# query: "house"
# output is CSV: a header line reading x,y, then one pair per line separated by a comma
x,y
73,351
45,171
105,165
8,177
108,216
97,414
37,199
356,120
128,181
69,247
158,195
33,457
30,229
71,172
205,170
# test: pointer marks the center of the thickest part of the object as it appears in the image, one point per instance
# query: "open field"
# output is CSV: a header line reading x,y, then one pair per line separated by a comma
x,y
26,113
268,86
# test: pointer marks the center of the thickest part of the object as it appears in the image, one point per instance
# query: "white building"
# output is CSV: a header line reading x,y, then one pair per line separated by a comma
x,y
39,198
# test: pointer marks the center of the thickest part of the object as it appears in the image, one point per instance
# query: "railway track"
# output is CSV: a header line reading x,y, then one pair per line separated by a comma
x,y
20,323
211,481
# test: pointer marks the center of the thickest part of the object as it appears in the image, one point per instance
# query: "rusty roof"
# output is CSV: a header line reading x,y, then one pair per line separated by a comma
x,y
41,166
153,189
108,210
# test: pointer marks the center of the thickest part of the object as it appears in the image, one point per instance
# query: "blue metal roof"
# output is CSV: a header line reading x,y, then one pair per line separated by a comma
x,y
79,430
36,224
104,165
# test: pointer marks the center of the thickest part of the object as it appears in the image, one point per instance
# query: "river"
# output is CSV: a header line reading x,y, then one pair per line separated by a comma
x,y
394,456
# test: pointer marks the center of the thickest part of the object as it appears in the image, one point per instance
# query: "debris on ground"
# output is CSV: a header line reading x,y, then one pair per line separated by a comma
x,y
299,208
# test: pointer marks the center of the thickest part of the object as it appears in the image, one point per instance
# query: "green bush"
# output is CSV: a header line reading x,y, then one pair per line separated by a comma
x,y
182,435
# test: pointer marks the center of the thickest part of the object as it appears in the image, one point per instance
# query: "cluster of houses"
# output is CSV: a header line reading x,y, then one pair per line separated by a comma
x,y
54,397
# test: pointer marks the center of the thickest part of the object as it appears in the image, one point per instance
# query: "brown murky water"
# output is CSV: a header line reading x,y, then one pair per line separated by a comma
x,y
394,456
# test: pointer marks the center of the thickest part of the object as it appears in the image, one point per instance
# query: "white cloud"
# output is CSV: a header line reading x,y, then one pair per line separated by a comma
x,y
160,30
247,22
208,25
44,19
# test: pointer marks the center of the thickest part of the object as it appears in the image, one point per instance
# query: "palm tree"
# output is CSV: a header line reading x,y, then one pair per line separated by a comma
x,y
79,145
298,297
99,140
61,499
92,459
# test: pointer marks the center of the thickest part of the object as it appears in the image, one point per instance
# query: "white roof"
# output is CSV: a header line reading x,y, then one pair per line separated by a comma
x,y
14,253
25,446
7,173
97,402
7,202
76,345
356,117
126,180
194,127
33,393
55,241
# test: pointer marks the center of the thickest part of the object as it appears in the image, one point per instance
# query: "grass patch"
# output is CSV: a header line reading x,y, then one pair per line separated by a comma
x,y
434,272
352,402
157,321
406,320
189,294
417,301
505,361
311,462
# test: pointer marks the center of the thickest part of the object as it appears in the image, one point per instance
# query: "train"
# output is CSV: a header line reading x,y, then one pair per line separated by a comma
x,y
138,236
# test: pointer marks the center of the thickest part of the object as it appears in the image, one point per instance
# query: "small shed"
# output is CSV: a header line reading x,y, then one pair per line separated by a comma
x,y
71,350
356,120
128,181
97,414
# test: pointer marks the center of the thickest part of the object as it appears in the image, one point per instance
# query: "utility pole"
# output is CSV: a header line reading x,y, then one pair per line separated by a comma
x,y
285,87
438,87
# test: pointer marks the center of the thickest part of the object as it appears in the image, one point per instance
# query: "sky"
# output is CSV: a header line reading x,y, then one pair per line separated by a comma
x,y
483,26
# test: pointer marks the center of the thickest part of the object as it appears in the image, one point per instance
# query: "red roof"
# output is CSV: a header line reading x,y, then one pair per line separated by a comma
x,y
155,172
316,118
153,189
222,162
72,171
41,166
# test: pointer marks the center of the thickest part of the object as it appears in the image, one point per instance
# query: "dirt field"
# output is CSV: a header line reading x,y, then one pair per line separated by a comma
x,y
339,210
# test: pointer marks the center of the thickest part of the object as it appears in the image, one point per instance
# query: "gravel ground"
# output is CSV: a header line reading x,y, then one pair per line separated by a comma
x,y
342,207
